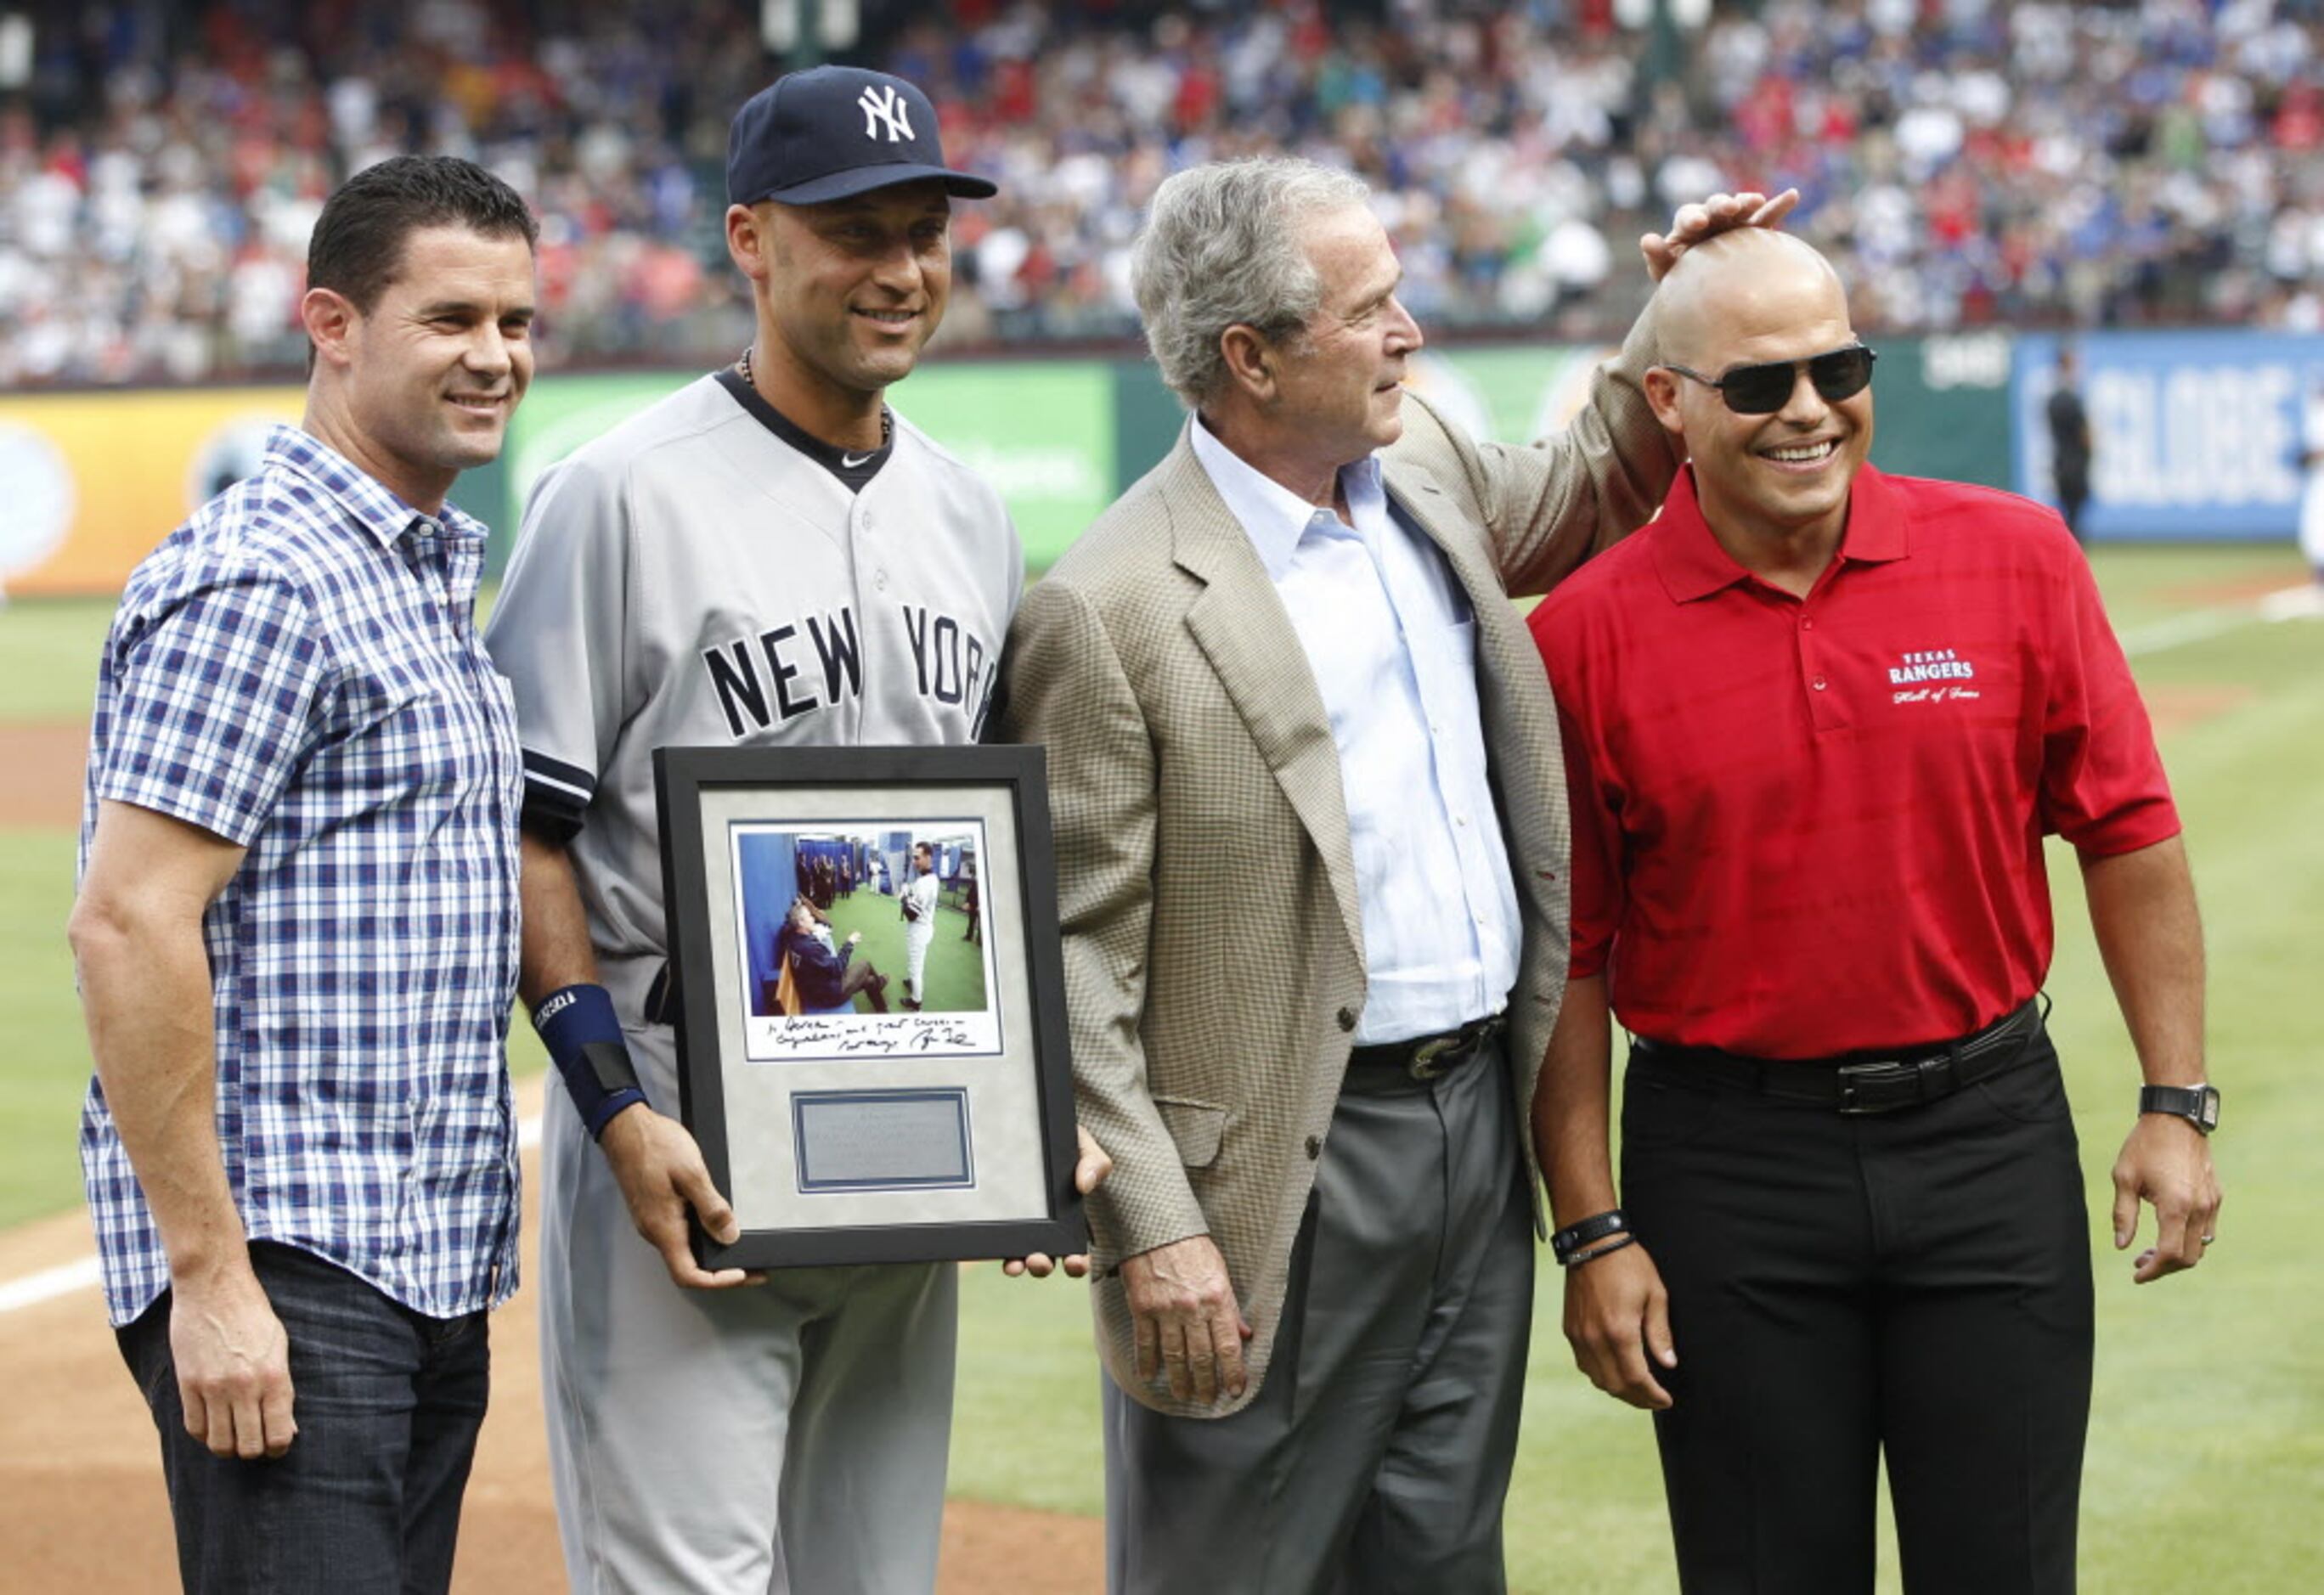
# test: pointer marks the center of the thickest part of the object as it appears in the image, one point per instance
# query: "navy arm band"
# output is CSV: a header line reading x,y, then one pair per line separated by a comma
x,y
584,1037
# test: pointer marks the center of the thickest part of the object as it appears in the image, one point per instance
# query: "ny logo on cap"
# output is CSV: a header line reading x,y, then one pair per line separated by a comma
x,y
884,104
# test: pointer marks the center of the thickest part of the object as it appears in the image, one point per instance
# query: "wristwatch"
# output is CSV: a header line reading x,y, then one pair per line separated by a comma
x,y
2199,1105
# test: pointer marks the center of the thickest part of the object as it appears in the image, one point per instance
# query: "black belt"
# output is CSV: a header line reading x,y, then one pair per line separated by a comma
x,y
662,997
1856,1083
1426,1058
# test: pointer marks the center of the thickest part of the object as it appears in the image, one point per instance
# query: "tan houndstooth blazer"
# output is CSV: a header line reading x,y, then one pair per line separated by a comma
x,y
1215,964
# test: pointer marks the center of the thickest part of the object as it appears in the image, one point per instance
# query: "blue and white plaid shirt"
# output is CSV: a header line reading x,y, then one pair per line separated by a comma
x,y
297,670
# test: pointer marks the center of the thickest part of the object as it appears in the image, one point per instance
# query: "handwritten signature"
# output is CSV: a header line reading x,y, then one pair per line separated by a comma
x,y
871,1036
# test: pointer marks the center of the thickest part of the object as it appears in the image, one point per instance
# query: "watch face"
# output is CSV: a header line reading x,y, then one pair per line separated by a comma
x,y
2211,1108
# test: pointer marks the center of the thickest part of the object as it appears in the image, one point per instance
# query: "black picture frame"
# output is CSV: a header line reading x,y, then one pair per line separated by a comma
x,y
879,1185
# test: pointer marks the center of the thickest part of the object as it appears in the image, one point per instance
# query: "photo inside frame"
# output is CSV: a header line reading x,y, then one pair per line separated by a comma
x,y
863,939
831,910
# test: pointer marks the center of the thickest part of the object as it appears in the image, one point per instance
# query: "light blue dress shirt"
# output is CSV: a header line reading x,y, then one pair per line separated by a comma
x,y
1389,635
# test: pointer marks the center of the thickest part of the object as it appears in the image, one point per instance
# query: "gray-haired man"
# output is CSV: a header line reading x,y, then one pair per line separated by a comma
x,y
1312,851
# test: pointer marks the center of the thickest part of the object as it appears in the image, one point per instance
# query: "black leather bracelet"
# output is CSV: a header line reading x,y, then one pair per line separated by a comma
x,y
1596,1227
1598,1250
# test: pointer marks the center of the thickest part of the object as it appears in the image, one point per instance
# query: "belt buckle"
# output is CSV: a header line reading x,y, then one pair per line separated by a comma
x,y
1423,1063
1858,1080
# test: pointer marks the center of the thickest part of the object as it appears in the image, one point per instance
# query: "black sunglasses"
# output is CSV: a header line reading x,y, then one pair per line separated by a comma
x,y
1763,390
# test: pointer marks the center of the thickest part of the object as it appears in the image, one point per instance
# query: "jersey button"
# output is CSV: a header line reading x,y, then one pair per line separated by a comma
x,y
1819,683
1315,1147
1347,1018
880,580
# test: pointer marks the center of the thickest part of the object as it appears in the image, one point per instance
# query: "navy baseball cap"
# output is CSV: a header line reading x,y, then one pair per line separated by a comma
x,y
832,133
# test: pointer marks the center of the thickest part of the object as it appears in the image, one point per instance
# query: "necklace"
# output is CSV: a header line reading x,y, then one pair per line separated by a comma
x,y
887,417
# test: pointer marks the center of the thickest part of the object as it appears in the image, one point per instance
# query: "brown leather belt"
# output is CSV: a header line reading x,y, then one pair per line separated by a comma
x,y
1856,1083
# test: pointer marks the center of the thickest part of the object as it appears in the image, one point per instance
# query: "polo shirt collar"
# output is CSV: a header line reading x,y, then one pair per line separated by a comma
x,y
1691,564
367,501
1273,516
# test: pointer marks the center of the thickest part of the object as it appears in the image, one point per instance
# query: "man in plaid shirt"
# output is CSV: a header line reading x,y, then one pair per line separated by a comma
x,y
297,928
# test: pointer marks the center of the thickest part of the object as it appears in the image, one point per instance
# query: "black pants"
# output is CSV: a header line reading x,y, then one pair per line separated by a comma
x,y
1916,1282
388,1403
2073,493
861,977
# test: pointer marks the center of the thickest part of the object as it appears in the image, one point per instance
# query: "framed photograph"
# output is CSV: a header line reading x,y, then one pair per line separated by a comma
x,y
871,1018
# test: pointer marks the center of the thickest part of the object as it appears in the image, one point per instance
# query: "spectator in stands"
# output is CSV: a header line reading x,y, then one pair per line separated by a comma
x,y
1965,165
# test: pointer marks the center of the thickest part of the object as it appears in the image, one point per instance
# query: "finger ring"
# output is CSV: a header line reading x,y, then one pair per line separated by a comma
x,y
2208,1239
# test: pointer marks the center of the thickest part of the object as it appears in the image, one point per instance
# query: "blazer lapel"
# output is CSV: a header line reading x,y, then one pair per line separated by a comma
x,y
1501,637
1415,493
1239,623
1505,654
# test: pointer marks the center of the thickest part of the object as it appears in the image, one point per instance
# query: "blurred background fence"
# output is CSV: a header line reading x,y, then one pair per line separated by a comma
x,y
2197,434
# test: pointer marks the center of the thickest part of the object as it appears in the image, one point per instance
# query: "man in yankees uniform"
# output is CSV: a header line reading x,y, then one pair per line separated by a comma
x,y
920,923
769,555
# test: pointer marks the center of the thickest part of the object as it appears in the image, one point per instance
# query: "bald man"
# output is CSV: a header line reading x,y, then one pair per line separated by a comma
x,y
1817,720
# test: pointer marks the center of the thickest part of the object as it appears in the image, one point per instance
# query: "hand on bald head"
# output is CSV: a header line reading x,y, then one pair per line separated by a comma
x,y
1745,285
1772,480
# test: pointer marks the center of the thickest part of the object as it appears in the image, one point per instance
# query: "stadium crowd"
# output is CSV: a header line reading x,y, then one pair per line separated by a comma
x,y
1964,162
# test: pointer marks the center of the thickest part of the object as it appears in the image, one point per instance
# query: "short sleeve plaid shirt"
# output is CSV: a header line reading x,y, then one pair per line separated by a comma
x,y
297,670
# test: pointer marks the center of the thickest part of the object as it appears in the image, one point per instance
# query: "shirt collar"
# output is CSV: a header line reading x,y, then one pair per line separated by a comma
x,y
364,497
1273,516
1691,564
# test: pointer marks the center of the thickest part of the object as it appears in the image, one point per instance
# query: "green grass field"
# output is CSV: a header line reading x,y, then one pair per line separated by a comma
x,y
2207,1449
955,966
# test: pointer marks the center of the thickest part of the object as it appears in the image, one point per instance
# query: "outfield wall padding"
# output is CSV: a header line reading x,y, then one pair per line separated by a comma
x,y
2196,433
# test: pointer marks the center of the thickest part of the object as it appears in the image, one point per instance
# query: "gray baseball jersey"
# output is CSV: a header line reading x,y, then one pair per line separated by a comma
x,y
698,575
691,578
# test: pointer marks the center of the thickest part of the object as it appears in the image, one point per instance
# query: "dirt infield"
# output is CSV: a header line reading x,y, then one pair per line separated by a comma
x,y
2242,591
41,771
81,1507
2175,708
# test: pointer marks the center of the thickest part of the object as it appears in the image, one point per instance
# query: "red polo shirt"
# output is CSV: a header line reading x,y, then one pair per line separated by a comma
x,y
1809,826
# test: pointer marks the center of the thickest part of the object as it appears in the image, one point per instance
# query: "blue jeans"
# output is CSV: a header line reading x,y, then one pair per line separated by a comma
x,y
388,1402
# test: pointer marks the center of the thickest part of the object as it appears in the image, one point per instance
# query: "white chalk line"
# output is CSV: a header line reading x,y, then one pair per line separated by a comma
x,y
48,1284
63,1279
2305,602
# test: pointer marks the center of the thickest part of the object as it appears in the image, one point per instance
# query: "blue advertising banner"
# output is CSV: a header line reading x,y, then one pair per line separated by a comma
x,y
2195,434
